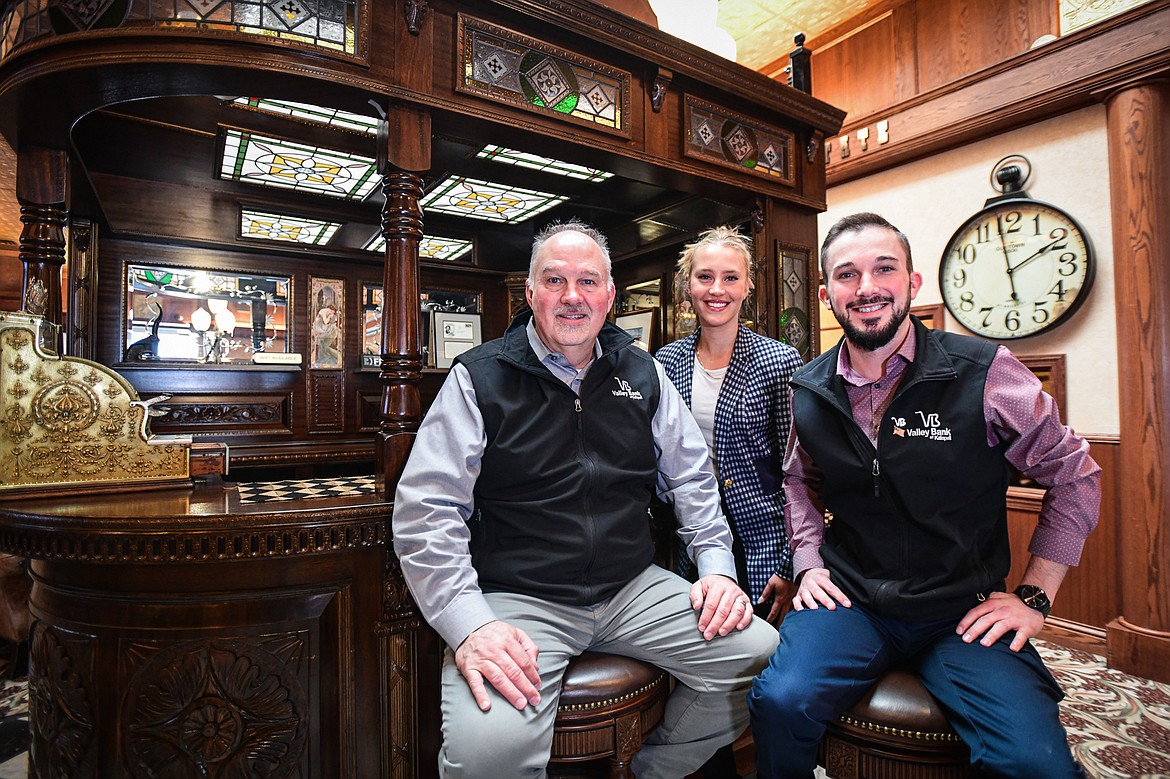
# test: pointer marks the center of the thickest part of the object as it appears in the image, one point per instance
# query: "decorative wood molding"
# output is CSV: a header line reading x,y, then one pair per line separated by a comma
x,y
415,12
81,313
226,413
254,537
659,88
61,677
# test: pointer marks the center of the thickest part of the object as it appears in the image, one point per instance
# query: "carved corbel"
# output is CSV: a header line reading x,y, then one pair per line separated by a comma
x,y
812,147
758,216
415,11
659,87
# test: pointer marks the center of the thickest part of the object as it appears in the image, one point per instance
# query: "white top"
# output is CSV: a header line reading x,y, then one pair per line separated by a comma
x,y
705,388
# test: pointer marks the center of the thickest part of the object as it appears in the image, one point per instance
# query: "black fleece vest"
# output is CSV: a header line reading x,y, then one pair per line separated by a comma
x,y
561,500
919,528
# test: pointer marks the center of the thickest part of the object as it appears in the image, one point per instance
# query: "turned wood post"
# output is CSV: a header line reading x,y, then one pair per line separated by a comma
x,y
41,191
408,148
1138,122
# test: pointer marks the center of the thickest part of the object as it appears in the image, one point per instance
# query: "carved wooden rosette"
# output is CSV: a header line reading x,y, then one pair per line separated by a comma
x,y
223,707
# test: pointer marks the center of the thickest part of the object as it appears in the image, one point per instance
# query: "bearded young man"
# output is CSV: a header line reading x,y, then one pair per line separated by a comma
x,y
907,436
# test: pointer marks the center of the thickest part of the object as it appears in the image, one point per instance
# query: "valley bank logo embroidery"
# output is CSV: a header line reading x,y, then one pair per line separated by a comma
x,y
625,390
931,429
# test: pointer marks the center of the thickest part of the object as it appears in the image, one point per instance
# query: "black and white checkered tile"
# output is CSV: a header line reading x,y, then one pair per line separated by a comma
x,y
305,489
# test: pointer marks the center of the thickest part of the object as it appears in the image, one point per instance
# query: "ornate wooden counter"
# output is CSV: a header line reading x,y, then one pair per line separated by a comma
x,y
180,633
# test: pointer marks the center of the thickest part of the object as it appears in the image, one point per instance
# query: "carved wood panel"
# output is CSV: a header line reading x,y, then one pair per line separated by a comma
x,y
225,413
326,402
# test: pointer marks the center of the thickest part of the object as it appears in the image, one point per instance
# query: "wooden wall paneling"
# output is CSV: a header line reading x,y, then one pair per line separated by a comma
x,y
959,37
853,72
1033,85
1090,594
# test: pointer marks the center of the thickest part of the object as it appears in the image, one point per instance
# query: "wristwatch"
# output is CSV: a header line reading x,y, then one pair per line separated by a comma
x,y
1035,598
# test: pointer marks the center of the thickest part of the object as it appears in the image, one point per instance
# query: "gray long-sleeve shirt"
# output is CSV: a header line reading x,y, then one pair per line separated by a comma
x,y
435,497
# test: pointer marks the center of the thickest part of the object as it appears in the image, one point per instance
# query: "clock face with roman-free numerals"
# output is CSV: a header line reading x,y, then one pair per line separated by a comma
x,y
1016,268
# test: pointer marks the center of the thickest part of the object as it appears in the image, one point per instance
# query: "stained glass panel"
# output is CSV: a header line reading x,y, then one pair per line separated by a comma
x,y
333,117
546,164
719,136
429,248
504,66
279,227
328,24
484,200
271,162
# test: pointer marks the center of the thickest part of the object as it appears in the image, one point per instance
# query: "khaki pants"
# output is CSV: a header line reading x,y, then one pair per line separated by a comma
x,y
651,619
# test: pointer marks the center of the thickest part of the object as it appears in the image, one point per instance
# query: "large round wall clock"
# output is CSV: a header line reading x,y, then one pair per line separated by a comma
x,y
1016,268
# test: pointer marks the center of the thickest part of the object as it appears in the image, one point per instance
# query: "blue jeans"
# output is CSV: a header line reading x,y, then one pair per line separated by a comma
x,y
1002,703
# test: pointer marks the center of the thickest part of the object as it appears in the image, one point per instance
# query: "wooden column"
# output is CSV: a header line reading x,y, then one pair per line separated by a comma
x,y
1138,120
408,148
41,191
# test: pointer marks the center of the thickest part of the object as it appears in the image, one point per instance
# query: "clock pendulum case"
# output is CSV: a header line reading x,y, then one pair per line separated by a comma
x,y
1018,266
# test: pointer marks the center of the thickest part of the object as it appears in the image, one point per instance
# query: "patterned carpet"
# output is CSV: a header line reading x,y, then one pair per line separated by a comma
x,y
1119,725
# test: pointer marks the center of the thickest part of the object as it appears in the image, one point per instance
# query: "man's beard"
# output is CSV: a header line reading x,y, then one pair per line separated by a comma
x,y
870,339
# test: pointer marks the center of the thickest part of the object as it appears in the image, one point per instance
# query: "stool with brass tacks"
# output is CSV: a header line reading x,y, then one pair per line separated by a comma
x,y
608,705
897,730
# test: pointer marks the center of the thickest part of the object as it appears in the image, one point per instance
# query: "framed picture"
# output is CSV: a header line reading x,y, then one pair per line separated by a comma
x,y
452,334
327,324
639,324
1049,368
931,315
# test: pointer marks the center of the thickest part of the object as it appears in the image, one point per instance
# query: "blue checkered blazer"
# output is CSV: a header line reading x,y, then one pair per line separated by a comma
x,y
752,419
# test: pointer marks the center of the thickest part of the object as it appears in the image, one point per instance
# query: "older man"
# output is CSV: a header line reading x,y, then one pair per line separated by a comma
x,y
521,525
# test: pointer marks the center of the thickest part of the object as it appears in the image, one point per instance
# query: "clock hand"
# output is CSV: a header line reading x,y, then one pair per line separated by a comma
x,y
1007,263
1034,255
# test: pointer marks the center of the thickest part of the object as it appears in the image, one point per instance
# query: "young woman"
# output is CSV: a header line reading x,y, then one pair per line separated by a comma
x,y
736,385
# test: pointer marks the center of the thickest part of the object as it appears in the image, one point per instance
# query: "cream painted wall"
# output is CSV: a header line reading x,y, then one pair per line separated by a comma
x,y
929,199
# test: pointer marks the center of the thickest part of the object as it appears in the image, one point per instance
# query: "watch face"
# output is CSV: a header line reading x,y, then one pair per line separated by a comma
x,y
1016,268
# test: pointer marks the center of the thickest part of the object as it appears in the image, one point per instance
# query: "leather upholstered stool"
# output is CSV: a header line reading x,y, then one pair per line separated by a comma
x,y
608,705
897,730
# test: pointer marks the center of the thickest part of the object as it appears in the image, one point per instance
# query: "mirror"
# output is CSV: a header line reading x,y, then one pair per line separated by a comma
x,y
200,316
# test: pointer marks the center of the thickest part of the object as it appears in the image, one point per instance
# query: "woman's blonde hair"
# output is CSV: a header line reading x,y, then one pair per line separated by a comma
x,y
724,235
